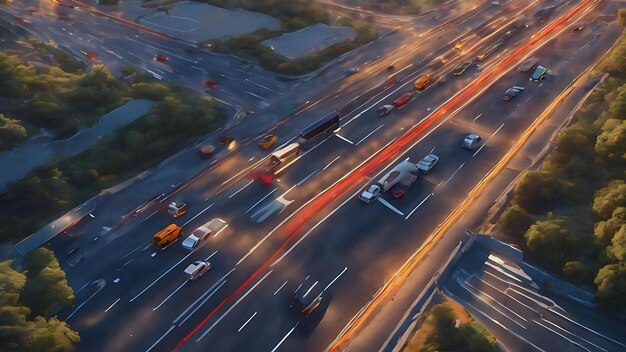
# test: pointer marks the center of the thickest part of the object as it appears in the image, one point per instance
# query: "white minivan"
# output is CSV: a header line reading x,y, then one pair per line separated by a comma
x,y
203,232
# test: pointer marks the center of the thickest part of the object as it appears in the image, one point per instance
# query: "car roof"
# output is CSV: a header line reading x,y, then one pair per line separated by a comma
x,y
430,157
471,136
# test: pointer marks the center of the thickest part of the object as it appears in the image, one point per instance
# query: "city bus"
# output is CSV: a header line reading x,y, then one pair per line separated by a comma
x,y
329,122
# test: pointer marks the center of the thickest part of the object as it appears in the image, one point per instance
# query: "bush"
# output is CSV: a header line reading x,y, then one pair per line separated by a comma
x,y
12,133
576,271
611,282
609,198
515,221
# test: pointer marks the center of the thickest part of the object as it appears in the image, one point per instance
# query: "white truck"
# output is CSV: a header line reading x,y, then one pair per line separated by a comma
x,y
403,172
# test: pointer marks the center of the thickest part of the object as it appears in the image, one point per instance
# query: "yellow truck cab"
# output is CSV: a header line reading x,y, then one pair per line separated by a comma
x,y
167,236
422,81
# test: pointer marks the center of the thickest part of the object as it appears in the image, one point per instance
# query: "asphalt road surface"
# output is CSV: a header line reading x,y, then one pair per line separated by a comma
x,y
144,302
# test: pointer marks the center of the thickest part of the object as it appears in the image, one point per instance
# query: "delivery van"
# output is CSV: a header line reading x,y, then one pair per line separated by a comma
x,y
167,236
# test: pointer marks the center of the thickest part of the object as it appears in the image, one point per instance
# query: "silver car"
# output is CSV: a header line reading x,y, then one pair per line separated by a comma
x,y
426,164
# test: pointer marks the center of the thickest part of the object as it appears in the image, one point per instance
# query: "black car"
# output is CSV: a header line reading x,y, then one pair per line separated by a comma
x,y
461,68
512,92
226,140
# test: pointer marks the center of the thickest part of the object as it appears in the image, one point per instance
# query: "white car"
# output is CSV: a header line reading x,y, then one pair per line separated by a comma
x,y
471,141
202,233
370,194
426,164
197,269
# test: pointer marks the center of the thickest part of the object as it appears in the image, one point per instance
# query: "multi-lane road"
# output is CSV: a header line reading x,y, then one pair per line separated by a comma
x,y
142,300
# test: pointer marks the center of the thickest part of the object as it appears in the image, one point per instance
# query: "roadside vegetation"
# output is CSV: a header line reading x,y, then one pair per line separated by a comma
x,y
570,214
437,332
294,15
65,100
30,297
407,7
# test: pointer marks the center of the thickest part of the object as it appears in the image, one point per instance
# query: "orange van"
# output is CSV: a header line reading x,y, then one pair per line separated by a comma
x,y
422,81
167,236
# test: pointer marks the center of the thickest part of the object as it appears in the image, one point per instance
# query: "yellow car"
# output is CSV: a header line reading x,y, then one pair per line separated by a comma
x,y
422,81
268,141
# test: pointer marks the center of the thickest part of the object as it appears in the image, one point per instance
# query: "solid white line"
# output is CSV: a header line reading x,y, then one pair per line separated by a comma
x,y
233,306
246,323
281,286
344,138
364,138
432,150
310,288
285,338
252,158
584,327
388,205
211,293
200,213
451,176
330,163
335,279
476,118
171,294
160,277
571,333
82,304
209,257
262,86
561,335
306,178
419,205
161,338
262,199
111,306
241,189
487,141
257,96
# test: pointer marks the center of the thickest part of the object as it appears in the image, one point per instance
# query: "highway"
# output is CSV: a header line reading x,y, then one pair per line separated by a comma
x,y
348,247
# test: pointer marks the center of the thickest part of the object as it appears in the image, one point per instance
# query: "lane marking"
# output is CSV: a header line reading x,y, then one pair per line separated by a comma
x,y
262,199
262,86
200,213
419,205
487,141
82,304
241,189
246,323
170,295
306,178
451,176
257,96
344,138
561,335
281,286
388,205
285,337
233,306
369,134
160,338
335,279
211,293
477,117
111,306
330,163
160,277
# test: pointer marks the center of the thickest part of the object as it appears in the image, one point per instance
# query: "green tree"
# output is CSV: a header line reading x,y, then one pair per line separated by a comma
x,y
537,190
618,245
605,230
46,289
12,132
12,283
610,198
152,91
515,221
551,242
611,282
611,143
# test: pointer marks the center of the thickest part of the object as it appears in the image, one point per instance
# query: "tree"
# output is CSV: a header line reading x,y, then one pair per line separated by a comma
x,y
46,289
610,198
611,282
605,230
611,143
12,283
551,242
537,190
12,132
515,221
618,245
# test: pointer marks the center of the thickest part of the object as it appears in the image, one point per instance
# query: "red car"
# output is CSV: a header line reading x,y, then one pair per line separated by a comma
x,y
91,55
161,57
210,83
402,100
